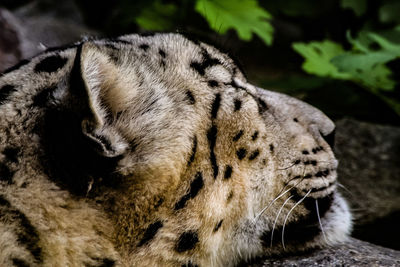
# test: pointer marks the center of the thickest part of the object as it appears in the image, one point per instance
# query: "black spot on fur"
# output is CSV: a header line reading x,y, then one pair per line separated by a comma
x,y
17,66
215,106
189,264
254,136
27,235
144,47
297,162
207,61
238,104
159,202
5,92
229,197
43,97
114,47
60,48
219,224
150,232
212,138
305,152
163,64
102,262
162,53
254,154
322,173
295,120
190,97
107,263
11,154
237,136
51,64
195,187
235,85
6,174
19,262
194,148
197,67
187,241
241,153
212,83
228,172
271,147
262,106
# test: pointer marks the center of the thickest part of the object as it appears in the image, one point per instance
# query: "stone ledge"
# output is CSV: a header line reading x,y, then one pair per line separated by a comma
x,y
352,253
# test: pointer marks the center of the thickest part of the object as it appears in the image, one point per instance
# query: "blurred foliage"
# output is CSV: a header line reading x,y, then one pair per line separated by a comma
x,y
358,6
364,64
157,17
389,12
300,47
244,16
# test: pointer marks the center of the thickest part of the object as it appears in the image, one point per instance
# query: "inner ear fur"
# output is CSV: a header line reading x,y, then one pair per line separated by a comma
x,y
102,84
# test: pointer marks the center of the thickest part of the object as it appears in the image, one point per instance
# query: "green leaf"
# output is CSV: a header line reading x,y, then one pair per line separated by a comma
x,y
318,57
367,42
157,17
244,16
364,65
385,43
358,6
367,69
363,43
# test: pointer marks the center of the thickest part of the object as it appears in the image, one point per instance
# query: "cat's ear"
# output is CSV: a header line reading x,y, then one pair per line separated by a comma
x,y
99,92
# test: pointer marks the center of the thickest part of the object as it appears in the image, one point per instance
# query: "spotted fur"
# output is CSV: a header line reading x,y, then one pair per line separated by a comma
x,y
156,151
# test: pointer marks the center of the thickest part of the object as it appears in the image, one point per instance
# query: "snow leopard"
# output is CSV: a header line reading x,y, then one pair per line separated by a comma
x,y
155,150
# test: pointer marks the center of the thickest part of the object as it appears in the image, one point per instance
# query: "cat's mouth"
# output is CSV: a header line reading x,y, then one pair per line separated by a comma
x,y
317,184
302,230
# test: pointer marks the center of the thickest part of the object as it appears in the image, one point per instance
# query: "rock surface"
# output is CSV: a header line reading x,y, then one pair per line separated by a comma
x,y
28,31
369,170
352,253
369,167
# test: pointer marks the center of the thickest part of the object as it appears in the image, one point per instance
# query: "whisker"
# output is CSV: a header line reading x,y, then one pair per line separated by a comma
x,y
272,202
287,167
276,198
319,220
276,219
345,188
287,216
